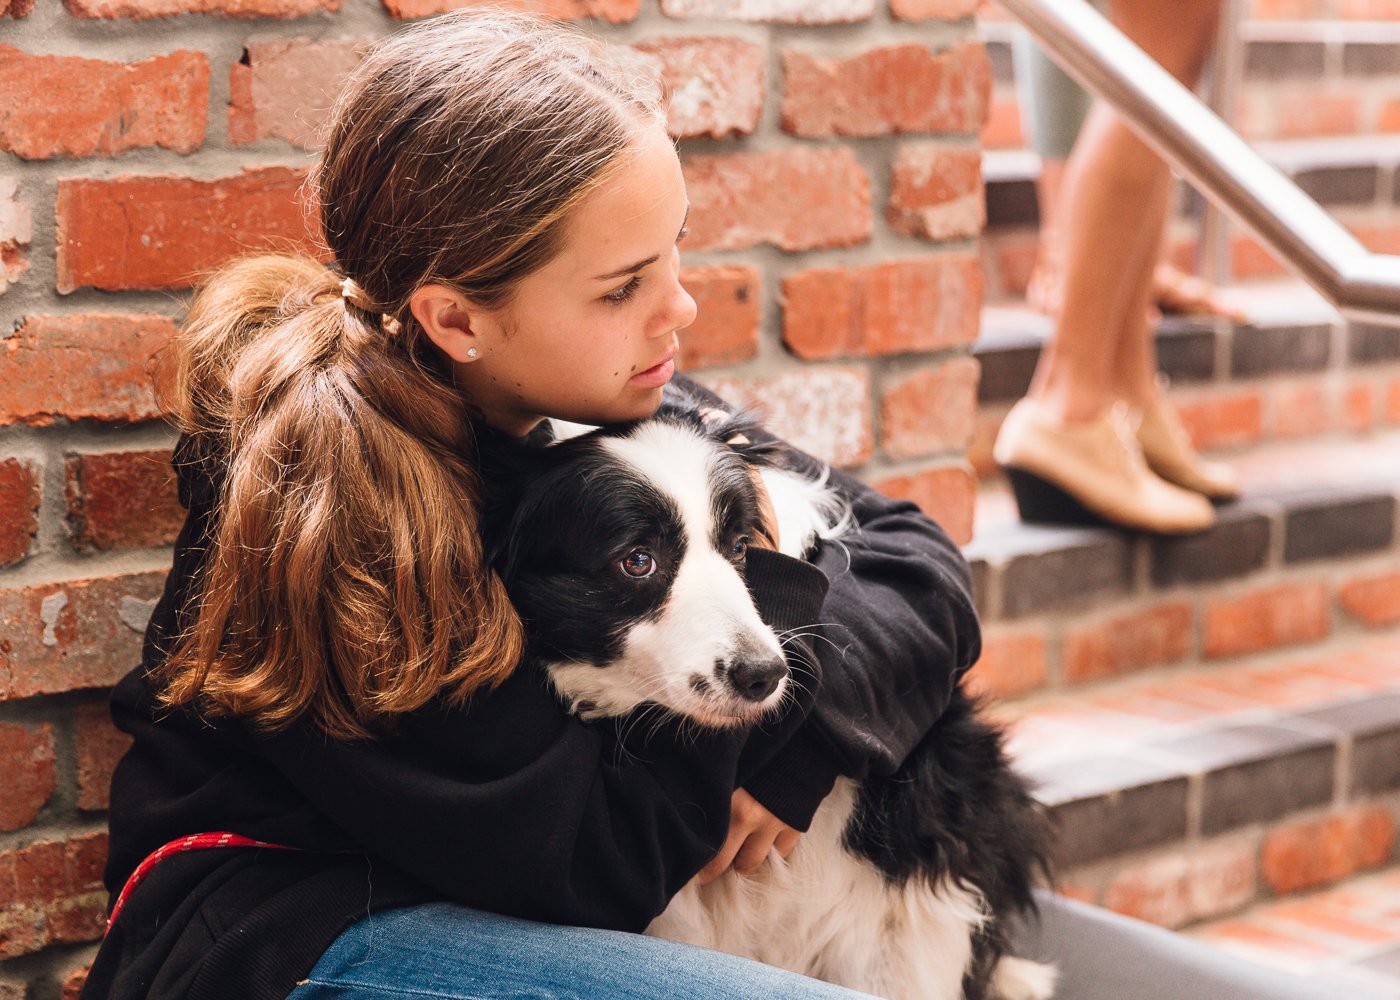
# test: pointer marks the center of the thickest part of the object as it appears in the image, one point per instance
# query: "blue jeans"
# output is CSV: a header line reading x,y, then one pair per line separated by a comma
x,y
447,951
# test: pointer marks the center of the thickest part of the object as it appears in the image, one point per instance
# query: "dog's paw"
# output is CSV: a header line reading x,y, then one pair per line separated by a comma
x,y
1021,979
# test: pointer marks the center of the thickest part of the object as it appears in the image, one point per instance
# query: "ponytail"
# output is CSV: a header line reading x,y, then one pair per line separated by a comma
x,y
344,578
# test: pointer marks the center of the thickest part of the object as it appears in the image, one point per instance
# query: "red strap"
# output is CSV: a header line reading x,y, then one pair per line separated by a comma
x,y
194,842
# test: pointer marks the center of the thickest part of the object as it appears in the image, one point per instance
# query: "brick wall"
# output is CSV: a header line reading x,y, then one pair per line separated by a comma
x,y
1320,99
143,141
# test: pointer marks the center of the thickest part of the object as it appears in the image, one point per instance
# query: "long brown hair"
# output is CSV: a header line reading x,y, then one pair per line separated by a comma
x,y
344,577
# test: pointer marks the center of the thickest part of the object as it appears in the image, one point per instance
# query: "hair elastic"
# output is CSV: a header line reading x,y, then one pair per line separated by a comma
x,y
359,298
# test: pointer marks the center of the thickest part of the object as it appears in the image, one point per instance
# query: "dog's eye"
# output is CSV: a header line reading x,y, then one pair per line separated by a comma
x,y
638,563
739,547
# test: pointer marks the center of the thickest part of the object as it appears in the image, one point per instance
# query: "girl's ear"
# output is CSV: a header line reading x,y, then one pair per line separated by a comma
x,y
450,321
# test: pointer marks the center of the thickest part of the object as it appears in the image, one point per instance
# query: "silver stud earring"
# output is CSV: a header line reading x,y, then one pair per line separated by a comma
x,y
471,352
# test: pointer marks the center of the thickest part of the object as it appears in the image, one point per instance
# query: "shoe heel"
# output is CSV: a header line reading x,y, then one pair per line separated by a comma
x,y
1042,502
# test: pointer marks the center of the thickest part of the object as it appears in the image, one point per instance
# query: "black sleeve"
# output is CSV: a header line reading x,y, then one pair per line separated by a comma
x,y
898,629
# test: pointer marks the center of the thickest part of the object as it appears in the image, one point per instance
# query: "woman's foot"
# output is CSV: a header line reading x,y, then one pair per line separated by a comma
x,y
1168,450
1061,472
1174,292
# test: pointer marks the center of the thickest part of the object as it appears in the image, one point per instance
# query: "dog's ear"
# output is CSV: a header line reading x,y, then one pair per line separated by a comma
x,y
508,470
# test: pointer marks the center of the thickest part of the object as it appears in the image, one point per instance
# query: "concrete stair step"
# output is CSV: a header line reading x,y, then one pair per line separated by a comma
x,y
1346,935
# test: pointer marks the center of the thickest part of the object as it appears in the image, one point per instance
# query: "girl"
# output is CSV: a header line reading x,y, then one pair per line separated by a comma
x,y
340,785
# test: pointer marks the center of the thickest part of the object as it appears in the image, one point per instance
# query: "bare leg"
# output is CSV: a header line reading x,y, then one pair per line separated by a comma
x,y
1111,216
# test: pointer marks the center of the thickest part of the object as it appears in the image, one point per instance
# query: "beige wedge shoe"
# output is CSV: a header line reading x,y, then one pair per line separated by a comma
x,y
1169,453
1091,473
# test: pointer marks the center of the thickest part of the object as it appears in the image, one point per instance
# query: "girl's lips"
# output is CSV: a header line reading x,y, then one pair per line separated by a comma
x,y
656,376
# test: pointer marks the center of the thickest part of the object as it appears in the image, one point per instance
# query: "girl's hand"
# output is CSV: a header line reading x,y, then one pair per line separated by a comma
x,y
753,832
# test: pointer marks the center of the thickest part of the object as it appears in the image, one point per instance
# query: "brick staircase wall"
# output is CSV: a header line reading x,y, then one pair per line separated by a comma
x,y
141,143
1320,99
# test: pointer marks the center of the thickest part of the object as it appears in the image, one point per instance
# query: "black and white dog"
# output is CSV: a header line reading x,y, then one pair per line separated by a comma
x,y
623,550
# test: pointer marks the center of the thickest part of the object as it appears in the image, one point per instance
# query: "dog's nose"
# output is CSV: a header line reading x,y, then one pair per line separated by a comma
x,y
754,680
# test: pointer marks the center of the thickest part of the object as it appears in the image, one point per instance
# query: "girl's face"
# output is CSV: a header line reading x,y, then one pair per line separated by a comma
x,y
591,336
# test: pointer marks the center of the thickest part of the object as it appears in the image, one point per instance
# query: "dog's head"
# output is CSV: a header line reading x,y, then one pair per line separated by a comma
x,y
624,551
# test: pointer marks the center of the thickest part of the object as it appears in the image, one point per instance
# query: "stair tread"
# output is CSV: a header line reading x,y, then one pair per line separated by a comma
x,y
1267,469
1346,935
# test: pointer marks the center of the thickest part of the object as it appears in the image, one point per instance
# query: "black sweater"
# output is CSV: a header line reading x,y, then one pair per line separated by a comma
x,y
509,804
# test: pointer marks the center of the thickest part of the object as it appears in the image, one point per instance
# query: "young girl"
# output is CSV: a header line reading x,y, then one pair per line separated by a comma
x,y
341,784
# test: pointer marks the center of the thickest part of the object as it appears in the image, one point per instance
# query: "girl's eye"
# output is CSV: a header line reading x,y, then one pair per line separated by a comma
x,y
740,547
625,292
638,564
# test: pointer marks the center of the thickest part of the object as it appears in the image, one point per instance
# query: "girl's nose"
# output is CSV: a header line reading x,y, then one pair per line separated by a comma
x,y
679,311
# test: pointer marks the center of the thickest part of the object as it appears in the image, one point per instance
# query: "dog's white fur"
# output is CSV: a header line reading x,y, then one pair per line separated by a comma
x,y
822,912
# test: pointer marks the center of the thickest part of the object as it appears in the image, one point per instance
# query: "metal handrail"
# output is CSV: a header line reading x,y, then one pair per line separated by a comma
x,y
1364,286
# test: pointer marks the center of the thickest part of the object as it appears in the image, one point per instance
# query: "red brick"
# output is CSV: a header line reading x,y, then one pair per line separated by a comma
x,y
1371,10
74,634
1223,420
1312,114
99,746
28,753
728,299
889,90
795,199
68,106
936,192
782,11
19,509
13,991
166,231
823,411
283,87
1372,600
51,892
1359,406
89,366
1392,402
1003,128
924,304
122,500
1251,259
615,11
73,981
1266,618
716,84
1126,643
144,9
1298,409
1205,880
935,10
1291,10
1007,261
1011,664
16,230
15,9
1388,118
931,410
946,493
1317,852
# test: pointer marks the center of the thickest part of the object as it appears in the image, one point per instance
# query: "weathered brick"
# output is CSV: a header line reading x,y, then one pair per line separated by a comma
x,y
795,199
936,192
15,9
716,84
1128,642
1372,600
69,106
1236,545
1256,351
1371,10
616,11
19,509
99,746
73,981
1392,402
89,366
73,634
893,307
1266,618
947,493
1003,128
1313,114
1187,885
823,411
781,11
728,300
28,753
165,231
932,10
283,87
931,410
1318,852
1275,60
16,230
122,500
1322,524
886,91
50,893
1012,663
144,9
1298,409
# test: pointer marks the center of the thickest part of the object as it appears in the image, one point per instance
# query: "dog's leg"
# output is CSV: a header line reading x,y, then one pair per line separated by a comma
x,y
1022,979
